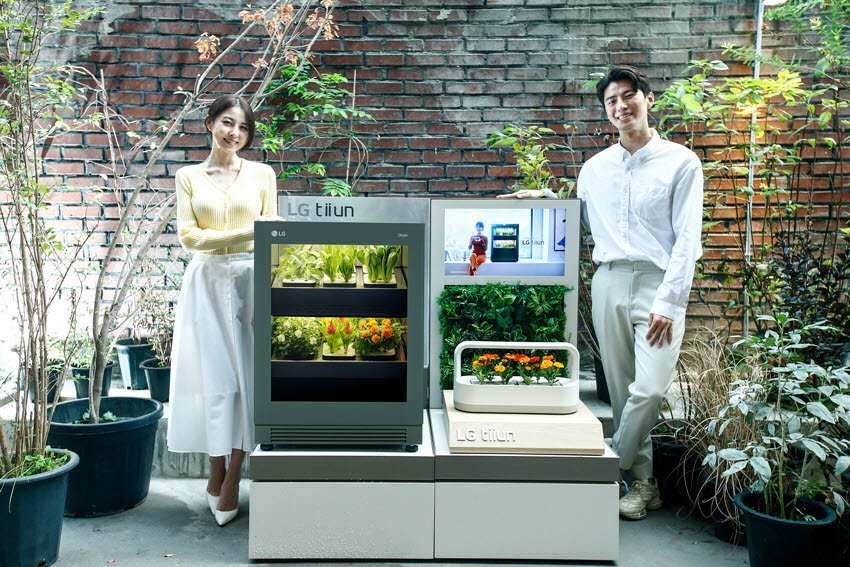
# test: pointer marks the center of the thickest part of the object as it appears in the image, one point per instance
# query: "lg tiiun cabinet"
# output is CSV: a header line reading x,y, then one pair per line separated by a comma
x,y
306,394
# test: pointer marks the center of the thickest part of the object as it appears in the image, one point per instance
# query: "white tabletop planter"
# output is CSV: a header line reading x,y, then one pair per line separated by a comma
x,y
562,397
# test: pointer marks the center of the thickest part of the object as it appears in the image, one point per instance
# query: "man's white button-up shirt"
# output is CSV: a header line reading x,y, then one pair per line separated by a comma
x,y
647,206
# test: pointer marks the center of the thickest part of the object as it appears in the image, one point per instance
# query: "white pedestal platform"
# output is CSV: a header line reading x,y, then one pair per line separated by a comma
x,y
524,506
578,433
352,504
433,504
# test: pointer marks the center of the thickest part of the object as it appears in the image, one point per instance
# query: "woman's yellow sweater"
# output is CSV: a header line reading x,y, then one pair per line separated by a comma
x,y
218,220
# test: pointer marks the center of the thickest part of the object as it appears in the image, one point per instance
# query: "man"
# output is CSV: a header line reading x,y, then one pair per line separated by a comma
x,y
642,198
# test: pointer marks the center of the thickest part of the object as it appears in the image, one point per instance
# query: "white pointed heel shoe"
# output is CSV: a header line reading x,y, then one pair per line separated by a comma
x,y
224,516
213,502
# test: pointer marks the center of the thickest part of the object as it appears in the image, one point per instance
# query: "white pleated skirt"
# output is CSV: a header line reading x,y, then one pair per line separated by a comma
x,y
212,359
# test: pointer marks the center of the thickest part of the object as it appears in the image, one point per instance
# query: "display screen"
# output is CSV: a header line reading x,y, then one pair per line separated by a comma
x,y
504,242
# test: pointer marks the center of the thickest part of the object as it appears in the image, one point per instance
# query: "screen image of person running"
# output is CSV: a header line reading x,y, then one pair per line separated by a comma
x,y
478,245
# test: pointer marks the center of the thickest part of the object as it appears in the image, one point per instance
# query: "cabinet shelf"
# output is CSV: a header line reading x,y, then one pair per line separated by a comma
x,y
360,301
339,381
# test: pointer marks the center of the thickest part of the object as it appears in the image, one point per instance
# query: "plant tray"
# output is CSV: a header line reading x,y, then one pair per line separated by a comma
x,y
390,284
386,355
337,355
328,283
294,283
516,397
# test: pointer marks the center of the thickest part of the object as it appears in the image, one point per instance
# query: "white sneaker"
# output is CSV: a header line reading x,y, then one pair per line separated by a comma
x,y
643,495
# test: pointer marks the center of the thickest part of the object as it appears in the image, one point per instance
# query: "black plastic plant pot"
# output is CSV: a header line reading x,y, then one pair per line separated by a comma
x,y
115,457
601,383
81,380
130,354
31,511
775,542
52,386
158,378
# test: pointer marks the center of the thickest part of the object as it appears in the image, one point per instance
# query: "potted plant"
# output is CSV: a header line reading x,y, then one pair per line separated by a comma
x,y
80,363
530,147
516,382
35,266
338,262
708,371
159,321
296,338
299,265
380,265
378,339
796,455
339,333
131,351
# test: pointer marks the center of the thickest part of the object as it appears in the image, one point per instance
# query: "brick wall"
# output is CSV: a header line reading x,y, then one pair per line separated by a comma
x,y
437,76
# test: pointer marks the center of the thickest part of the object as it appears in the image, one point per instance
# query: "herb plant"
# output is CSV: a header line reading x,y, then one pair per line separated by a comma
x,y
299,262
381,262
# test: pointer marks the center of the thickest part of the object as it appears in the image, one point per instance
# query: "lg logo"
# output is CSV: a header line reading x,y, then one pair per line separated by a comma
x,y
466,435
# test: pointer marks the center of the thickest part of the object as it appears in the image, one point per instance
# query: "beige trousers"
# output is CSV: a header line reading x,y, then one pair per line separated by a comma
x,y
638,375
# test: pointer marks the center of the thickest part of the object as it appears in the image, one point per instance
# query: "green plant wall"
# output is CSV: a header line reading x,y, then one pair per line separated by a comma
x,y
498,312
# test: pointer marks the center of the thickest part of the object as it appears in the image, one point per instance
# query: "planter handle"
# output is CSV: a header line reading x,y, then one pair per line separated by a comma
x,y
573,362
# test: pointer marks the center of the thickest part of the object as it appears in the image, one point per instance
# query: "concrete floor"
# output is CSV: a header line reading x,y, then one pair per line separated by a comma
x,y
174,527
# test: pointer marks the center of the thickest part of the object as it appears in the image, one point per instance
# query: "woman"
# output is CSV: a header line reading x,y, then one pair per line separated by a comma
x,y
218,201
478,245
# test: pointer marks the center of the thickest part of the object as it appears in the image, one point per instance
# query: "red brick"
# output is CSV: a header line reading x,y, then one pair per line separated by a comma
x,y
191,28
408,186
424,171
443,185
161,12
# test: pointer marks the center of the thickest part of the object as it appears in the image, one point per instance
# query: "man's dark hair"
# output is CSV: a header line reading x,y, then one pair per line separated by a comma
x,y
620,73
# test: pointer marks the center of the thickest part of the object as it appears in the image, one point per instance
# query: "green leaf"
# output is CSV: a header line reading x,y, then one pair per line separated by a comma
x,y
732,455
815,448
761,467
734,468
842,464
820,411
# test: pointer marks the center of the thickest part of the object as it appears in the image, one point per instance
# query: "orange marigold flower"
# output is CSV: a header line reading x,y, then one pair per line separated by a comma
x,y
387,333
499,368
386,322
549,357
558,365
373,329
545,364
376,339
364,334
